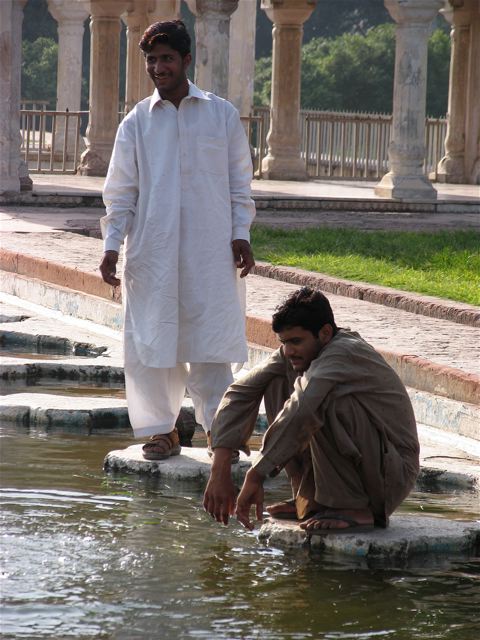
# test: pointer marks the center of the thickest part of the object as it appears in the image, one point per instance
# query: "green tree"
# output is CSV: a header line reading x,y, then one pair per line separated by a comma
x,y
39,70
354,72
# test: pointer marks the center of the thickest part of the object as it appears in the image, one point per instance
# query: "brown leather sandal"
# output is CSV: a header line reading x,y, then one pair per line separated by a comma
x,y
161,446
235,452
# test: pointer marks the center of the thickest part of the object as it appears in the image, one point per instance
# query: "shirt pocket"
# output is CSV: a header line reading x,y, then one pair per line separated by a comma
x,y
212,154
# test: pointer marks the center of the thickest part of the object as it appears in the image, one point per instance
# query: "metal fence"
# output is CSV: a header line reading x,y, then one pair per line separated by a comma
x,y
333,144
355,145
52,140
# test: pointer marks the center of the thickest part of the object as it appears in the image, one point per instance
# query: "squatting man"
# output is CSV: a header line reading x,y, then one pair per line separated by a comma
x,y
340,423
178,192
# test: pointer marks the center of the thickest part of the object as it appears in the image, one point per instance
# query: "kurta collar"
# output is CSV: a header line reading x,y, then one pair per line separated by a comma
x,y
193,92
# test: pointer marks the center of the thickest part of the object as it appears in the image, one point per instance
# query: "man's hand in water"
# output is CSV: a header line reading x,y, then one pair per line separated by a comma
x,y
220,494
108,268
251,493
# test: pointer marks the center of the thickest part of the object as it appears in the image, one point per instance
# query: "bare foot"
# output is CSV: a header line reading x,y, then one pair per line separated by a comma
x,y
285,509
339,519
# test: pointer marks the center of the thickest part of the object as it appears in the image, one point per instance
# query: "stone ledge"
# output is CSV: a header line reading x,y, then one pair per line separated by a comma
x,y
94,199
407,538
193,464
61,413
411,302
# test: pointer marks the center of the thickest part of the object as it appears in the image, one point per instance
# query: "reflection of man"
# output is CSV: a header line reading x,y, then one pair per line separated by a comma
x,y
178,189
341,424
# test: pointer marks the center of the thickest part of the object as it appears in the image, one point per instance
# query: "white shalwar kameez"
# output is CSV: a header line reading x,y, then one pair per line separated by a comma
x,y
178,191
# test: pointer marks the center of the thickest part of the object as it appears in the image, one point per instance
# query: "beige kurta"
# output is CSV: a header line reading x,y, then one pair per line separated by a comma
x,y
349,407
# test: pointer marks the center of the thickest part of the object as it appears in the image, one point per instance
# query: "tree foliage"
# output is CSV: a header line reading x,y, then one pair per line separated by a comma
x,y
354,72
39,70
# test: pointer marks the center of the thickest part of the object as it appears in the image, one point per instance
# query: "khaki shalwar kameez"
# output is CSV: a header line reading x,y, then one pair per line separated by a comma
x,y
349,412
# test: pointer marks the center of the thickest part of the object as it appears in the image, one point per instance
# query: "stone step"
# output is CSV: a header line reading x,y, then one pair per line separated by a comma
x,y
409,539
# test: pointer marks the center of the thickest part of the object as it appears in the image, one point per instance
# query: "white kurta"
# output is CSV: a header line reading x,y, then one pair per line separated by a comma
x,y
178,190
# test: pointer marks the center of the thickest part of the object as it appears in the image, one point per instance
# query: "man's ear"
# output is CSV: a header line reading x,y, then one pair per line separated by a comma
x,y
325,334
187,60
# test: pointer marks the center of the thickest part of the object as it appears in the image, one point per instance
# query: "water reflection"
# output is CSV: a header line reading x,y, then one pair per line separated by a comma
x,y
88,555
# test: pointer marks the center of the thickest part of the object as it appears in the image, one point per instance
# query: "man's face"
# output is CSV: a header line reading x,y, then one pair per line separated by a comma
x,y
301,346
167,68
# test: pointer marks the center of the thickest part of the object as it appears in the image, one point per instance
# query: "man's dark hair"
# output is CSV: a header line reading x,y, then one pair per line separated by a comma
x,y
173,33
305,308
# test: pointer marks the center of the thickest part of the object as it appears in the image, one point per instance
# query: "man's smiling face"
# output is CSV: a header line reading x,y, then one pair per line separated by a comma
x,y
167,69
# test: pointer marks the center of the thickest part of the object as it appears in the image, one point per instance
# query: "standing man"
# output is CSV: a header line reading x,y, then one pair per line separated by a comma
x,y
341,424
178,191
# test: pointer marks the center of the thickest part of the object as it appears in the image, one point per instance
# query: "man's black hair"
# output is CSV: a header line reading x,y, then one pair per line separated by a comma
x,y
172,32
306,308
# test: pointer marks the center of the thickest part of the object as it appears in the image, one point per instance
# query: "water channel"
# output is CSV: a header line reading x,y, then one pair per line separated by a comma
x,y
94,555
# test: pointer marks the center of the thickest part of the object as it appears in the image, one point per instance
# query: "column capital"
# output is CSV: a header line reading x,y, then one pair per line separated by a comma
x,y
288,12
409,12
67,11
203,7
107,8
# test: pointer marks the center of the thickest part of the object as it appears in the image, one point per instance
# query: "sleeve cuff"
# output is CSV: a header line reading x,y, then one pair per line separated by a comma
x,y
265,467
241,233
110,244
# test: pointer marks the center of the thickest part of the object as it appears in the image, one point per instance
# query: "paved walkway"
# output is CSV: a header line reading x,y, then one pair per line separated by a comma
x,y
441,341
356,189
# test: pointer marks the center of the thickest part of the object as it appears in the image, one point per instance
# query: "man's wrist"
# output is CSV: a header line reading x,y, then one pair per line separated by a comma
x,y
222,459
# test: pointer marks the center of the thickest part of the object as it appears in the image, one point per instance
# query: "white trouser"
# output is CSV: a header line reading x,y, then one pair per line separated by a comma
x,y
154,396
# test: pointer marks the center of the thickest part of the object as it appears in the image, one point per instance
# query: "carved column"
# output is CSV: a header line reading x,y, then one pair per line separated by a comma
x,y
13,170
451,167
104,85
283,161
407,145
138,16
212,32
241,73
472,120
70,16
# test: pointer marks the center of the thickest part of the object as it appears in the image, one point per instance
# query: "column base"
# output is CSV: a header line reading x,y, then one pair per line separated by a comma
x,y
9,185
92,164
414,187
274,168
451,170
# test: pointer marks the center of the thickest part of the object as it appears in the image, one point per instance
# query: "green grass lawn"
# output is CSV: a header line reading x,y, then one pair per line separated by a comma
x,y
444,264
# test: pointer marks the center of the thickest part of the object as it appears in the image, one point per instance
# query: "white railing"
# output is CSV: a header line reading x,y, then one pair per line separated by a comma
x,y
51,140
333,144
355,145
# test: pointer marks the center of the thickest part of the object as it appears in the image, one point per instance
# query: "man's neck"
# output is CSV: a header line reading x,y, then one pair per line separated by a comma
x,y
176,96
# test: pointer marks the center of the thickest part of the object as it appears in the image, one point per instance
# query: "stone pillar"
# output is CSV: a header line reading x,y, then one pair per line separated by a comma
x,y
451,167
283,161
70,16
212,32
104,85
472,119
241,72
407,145
138,16
13,170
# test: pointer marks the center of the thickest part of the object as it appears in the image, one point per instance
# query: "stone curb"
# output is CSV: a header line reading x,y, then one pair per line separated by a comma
x,y
414,371
262,202
92,284
414,303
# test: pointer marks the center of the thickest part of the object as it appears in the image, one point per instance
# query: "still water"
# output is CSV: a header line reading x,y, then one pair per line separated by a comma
x,y
90,555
